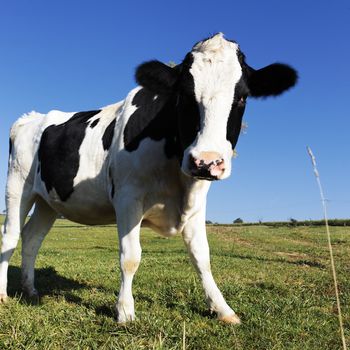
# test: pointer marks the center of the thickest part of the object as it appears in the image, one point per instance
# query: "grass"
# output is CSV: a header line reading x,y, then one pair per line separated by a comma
x,y
276,278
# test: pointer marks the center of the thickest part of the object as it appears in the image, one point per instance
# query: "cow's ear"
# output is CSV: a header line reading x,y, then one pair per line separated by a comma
x,y
156,76
271,80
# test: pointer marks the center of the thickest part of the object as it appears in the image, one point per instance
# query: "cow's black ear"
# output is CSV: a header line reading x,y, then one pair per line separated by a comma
x,y
156,76
271,80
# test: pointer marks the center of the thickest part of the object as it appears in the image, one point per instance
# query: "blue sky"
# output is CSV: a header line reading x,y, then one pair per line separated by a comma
x,y
81,55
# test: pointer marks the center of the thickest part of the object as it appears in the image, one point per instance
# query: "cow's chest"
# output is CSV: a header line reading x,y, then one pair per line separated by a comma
x,y
168,209
164,218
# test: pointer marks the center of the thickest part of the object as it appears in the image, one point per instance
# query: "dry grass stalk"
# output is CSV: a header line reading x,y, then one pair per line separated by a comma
x,y
184,337
313,160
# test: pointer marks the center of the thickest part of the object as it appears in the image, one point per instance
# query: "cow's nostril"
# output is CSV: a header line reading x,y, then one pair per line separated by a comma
x,y
204,163
219,161
196,163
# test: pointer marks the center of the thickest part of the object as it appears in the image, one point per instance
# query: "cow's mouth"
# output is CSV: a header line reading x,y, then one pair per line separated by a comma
x,y
208,178
204,174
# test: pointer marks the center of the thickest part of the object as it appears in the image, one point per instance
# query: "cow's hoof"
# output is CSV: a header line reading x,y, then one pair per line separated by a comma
x,y
3,298
31,295
125,319
124,316
232,319
33,299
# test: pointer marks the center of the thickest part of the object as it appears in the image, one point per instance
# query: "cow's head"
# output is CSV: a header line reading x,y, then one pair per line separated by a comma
x,y
211,86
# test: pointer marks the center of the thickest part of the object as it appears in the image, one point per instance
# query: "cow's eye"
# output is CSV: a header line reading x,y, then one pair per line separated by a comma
x,y
242,100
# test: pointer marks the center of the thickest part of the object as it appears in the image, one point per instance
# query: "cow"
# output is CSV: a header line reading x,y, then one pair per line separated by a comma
x,y
147,161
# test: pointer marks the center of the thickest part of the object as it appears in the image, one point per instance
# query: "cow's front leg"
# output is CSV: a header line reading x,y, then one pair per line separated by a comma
x,y
129,216
195,237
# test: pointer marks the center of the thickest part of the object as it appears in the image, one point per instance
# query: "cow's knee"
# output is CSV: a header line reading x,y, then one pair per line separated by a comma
x,y
10,238
130,266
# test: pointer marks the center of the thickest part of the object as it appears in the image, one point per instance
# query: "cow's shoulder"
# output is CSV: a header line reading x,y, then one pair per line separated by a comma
x,y
58,151
152,116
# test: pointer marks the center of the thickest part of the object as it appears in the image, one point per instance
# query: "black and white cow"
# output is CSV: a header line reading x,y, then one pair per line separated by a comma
x,y
146,161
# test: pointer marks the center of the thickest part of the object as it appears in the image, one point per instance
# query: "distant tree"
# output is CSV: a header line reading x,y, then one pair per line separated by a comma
x,y
238,221
293,221
208,222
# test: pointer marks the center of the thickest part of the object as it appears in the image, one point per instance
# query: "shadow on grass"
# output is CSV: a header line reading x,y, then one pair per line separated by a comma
x,y
47,281
50,283
104,310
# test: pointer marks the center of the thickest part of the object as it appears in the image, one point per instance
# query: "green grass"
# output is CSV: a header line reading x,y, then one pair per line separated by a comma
x,y
276,278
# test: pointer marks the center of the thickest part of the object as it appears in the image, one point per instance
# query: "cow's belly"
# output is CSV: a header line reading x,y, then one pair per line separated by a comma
x,y
89,204
87,214
163,218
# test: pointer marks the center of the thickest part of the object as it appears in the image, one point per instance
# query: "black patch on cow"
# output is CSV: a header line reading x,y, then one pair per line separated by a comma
x,y
188,120
112,190
59,153
187,106
108,135
38,169
234,123
94,123
10,146
155,118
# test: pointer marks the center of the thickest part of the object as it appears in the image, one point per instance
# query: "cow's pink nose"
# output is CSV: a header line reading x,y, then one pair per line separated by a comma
x,y
209,165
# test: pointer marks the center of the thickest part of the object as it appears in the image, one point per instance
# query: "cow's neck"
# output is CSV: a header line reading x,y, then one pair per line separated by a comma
x,y
194,198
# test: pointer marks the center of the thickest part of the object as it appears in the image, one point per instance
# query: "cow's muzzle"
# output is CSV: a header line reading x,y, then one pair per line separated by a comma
x,y
207,165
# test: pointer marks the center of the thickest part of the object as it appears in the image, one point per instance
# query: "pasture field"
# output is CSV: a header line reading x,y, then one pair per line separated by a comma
x,y
277,279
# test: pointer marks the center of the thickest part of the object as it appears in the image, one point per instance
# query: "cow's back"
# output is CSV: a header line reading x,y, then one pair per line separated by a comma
x,y
64,158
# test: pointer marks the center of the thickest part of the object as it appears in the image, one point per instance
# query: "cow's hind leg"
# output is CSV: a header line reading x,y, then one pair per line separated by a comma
x,y
129,216
33,235
19,201
195,238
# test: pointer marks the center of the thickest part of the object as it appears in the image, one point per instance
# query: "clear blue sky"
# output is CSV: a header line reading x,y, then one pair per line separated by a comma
x,y
81,55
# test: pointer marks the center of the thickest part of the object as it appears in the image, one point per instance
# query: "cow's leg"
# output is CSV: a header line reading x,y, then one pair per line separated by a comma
x,y
194,235
129,216
33,235
19,201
